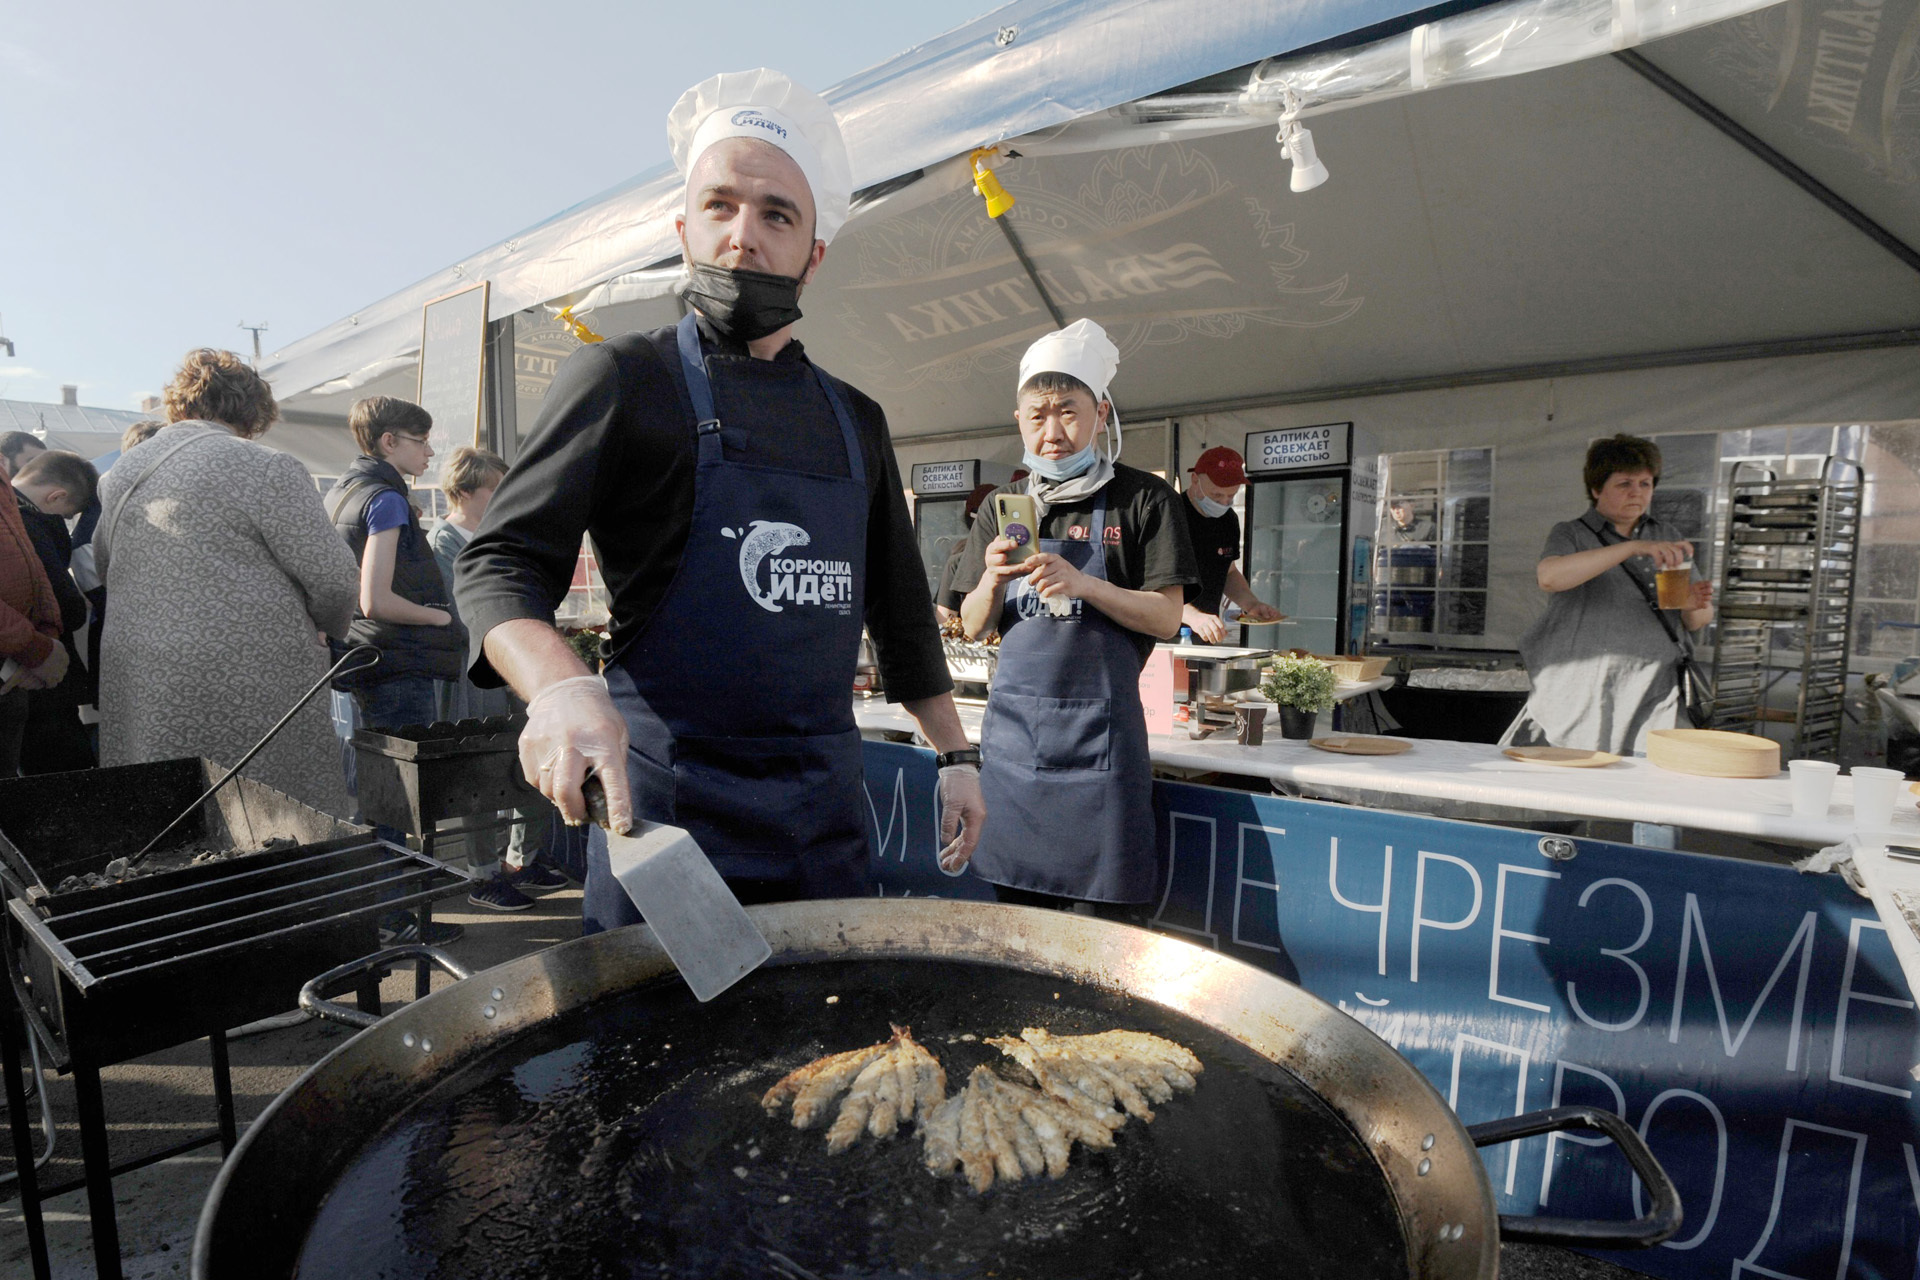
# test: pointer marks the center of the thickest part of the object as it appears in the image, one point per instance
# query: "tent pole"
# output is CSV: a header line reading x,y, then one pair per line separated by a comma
x,y
1020,252
1773,159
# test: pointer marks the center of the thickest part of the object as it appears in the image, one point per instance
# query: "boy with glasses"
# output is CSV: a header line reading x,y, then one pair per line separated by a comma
x,y
404,605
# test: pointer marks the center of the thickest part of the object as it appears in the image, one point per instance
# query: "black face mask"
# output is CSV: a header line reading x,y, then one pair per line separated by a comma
x,y
743,305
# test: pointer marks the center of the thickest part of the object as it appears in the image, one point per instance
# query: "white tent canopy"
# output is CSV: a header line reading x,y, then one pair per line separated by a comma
x,y
1080,73
1715,229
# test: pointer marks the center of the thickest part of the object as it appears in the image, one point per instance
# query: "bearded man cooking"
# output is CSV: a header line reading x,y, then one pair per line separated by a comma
x,y
748,515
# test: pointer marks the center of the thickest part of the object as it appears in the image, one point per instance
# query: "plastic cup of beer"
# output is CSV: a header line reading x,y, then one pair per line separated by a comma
x,y
1874,791
1812,786
1675,586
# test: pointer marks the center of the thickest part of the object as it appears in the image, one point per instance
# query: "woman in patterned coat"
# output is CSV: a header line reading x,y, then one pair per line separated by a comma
x,y
223,571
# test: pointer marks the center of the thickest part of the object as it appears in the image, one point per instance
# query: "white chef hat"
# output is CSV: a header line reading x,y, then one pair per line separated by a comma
x,y
767,105
1081,349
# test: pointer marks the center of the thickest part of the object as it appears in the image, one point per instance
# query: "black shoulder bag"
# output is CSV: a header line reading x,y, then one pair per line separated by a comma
x,y
1696,691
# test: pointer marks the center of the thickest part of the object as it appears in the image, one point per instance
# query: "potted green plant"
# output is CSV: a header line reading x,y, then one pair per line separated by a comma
x,y
586,644
1302,688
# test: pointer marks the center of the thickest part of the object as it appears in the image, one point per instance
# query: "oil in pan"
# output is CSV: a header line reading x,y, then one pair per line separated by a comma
x,y
627,1140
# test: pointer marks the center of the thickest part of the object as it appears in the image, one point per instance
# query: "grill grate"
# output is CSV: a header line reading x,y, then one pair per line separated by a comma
x,y
145,924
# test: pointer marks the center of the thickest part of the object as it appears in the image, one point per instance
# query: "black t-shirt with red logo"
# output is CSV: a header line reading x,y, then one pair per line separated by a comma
x,y
1146,540
1216,545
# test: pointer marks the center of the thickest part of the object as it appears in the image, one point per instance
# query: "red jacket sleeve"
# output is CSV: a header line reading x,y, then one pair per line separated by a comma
x,y
29,611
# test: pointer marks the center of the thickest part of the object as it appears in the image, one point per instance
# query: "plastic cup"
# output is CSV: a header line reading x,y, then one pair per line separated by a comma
x,y
1675,586
1812,786
1874,791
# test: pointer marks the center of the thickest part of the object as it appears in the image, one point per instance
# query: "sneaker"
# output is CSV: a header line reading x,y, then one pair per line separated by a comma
x,y
538,878
439,933
497,893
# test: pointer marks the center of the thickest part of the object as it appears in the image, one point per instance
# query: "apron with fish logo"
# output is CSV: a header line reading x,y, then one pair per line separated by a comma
x,y
737,691
1063,750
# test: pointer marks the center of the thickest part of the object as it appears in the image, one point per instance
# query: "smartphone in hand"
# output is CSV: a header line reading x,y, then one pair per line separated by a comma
x,y
1020,521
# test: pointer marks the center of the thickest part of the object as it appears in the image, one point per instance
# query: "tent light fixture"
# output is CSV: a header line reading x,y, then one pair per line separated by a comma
x,y
997,197
1308,172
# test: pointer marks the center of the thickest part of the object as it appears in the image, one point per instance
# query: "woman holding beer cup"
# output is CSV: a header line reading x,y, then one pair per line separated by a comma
x,y
1605,658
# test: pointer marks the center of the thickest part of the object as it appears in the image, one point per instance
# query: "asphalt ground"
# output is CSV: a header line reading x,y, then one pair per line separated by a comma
x,y
168,1097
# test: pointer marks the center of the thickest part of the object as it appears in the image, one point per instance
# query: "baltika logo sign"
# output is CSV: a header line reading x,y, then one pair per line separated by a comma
x,y
1155,243
751,119
799,581
1841,76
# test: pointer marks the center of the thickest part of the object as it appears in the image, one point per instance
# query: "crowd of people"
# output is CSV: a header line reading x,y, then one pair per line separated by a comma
x,y
180,598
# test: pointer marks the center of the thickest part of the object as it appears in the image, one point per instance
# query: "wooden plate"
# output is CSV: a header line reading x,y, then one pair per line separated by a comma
x,y
1566,757
1354,744
1714,753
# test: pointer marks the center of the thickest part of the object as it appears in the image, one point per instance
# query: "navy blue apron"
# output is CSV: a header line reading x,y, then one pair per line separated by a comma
x,y
737,692
1063,750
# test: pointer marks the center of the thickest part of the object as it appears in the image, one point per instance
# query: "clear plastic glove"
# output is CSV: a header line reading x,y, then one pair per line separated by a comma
x,y
574,729
963,812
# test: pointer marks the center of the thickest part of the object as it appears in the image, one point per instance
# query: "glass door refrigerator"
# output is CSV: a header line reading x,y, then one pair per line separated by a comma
x,y
1312,503
940,492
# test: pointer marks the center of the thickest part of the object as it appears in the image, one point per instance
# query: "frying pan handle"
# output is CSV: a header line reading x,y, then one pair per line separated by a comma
x,y
392,957
1661,1222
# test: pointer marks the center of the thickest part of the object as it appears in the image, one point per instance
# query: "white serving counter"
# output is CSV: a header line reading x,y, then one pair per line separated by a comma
x,y
1456,778
1472,773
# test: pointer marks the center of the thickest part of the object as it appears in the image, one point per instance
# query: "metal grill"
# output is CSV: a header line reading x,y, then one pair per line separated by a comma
x,y
263,915
111,973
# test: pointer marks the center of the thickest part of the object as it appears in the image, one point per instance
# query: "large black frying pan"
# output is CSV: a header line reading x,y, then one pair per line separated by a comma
x,y
576,1112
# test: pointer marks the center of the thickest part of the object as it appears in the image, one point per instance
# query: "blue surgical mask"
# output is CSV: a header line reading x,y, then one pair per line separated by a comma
x,y
1057,469
1209,508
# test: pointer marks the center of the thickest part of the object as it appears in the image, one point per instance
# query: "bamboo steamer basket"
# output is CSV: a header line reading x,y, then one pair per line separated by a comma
x,y
1714,753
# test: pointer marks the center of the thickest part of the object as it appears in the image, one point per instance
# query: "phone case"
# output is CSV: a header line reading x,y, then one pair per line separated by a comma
x,y
1019,520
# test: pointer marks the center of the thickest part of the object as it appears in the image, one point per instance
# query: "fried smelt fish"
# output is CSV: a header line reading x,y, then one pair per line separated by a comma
x,y
1132,1067
813,1087
1020,1135
1058,1084
885,1084
940,1135
857,1106
976,1159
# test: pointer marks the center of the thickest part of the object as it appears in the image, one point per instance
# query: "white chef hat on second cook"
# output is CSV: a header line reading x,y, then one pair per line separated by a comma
x,y
767,105
1081,349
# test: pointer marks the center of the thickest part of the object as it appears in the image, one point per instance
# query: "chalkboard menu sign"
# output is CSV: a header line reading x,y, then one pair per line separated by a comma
x,y
453,349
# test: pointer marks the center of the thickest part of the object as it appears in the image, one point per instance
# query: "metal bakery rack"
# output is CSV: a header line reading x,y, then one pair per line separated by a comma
x,y
1785,606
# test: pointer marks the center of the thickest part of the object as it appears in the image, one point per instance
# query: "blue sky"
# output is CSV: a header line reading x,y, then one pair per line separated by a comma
x,y
169,171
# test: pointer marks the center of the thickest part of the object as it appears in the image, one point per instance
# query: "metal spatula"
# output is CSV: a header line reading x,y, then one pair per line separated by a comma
x,y
704,929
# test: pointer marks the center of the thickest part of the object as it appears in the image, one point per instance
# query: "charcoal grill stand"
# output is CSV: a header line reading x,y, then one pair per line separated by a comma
x,y
100,1171
85,1065
97,972
416,777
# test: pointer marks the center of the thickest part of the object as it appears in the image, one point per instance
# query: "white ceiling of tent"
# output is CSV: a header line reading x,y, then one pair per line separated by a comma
x,y
1574,213
1571,214
1834,86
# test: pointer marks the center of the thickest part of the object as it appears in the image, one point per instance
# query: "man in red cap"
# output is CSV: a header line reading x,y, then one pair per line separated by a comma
x,y
1214,530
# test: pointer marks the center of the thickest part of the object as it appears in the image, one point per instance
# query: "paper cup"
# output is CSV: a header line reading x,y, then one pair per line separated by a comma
x,y
1874,791
1812,786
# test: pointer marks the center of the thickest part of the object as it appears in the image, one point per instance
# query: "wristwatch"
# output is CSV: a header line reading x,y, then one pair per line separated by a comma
x,y
970,755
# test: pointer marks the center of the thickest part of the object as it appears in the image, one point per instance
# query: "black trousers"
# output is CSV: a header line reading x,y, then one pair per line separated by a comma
x,y
1122,912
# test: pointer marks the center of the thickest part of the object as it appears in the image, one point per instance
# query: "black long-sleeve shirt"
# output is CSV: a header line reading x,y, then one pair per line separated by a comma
x,y
613,455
